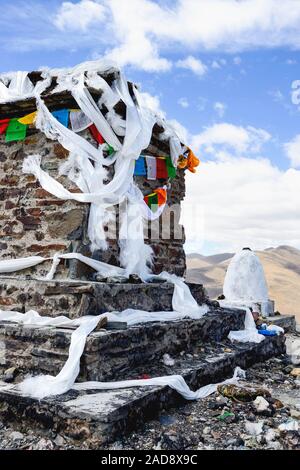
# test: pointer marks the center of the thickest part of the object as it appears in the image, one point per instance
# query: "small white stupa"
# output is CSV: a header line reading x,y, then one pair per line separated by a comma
x,y
245,283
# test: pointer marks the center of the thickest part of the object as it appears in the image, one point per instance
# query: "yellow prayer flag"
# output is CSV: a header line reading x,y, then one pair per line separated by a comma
x,y
29,119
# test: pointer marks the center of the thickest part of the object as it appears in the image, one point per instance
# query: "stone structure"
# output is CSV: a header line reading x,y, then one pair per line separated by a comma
x,y
33,222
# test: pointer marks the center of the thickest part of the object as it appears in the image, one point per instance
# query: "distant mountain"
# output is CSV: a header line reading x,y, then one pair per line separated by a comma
x,y
282,269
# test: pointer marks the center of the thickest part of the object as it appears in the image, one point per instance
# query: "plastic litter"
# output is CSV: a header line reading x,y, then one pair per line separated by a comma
x,y
255,429
290,425
267,333
225,415
250,333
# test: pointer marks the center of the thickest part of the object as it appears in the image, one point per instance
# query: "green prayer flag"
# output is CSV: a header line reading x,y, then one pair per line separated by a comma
x,y
170,168
111,150
16,131
153,202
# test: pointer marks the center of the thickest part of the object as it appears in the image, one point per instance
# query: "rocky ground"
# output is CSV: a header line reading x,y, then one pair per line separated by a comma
x,y
230,419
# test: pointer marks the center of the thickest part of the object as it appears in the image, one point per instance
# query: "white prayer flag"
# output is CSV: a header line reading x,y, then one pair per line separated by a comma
x,y
79,121
151,168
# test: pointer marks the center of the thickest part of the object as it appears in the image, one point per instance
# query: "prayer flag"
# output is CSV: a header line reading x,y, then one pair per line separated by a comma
x,y
96,134
152,201
28,119
3,125
15,131
193,161
79,121
62,115
156,199
170,168
161,196
111,150
161,168
140,167
151,168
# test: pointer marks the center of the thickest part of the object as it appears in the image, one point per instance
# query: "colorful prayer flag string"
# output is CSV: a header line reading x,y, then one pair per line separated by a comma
x,y
152,167
156,199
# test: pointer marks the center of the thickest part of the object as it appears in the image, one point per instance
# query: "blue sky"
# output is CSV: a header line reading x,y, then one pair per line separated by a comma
x,y
221,69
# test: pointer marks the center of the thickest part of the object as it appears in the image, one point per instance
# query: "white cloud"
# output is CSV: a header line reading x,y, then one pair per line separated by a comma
x,y
221,138
218,64
202,25
215,64
152,102
237,199
276,95
291,62
138,51
242,202
193,64
292,150
74,16
220,108
237,60
143,33
183,102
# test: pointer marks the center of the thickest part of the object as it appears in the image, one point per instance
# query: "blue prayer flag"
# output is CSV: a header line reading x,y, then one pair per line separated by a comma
x,y
62,115
140,167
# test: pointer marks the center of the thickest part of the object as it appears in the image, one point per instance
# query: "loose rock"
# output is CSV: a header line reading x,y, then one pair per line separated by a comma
x,y
261,404
254,429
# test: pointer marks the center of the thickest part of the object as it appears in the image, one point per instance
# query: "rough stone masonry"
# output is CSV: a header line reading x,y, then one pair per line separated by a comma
x,y
33,222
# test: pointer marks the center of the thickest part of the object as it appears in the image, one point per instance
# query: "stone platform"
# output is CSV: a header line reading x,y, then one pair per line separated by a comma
x,y
97,417
77,298
200,348
108,354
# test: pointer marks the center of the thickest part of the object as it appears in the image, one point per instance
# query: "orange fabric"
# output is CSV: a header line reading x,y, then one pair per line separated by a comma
x,y
192,161
182,162
162,196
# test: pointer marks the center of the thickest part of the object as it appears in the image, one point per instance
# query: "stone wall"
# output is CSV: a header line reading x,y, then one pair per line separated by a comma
x,y
77,298
32,222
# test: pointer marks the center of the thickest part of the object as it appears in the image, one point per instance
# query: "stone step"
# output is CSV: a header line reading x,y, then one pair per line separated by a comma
x,y
287,322
35,350
77,298
97,417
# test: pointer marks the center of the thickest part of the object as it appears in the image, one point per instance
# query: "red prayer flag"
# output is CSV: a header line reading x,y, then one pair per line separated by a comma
x,y
161,169
96,134
3,125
